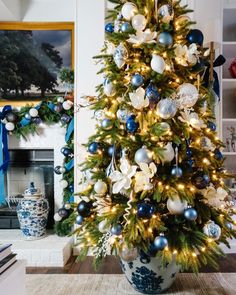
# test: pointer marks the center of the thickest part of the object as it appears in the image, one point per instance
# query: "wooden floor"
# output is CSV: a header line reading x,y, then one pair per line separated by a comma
x,y
111,266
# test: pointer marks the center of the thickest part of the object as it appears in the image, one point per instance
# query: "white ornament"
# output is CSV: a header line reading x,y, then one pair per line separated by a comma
x,y
67,206
192,119
122,180
212,230
187,96
103,226
100,187
33,112
129,10
109,88
139,22
62,170
138,99
206,144
158,64
120,55
168,154
166,12
57,217
143,177
67,105
10,126
147,37
99,115
60,99
123,115
143,155
176,205
166,108
63,183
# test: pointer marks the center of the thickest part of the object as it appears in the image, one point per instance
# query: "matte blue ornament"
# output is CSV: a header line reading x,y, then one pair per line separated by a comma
x,y
195,36
145,210
177,172
200,179
84,208
211,126
131,124
65,118
94,147
152,93
160,243
116,229
165,39
126,27
137,80
66,151
190,214
109,28
79,220
218,155
107,124
27,116
63,213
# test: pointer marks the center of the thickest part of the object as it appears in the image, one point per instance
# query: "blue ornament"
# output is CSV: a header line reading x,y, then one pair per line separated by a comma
x,y
126,27
211,126
165,39
65,118
152,93
137,80
177,172
59,170
195,36
190,214
37,120
190,162
58,108
63,213
218,155
229,225
160,243
107,124
84,208
94,147
200,179
79,220
71,188
116,229
27,116
66,151
189,153
109,28
145,210
131,125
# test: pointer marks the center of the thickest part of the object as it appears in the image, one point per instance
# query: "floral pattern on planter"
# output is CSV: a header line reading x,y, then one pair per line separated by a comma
x,y
33,215
147,275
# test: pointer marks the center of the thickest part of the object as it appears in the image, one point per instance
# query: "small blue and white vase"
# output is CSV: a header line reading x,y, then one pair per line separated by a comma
x,y
147,275
32,212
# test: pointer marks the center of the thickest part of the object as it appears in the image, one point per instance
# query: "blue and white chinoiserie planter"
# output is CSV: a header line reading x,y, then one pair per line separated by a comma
x,y
32,212
147,275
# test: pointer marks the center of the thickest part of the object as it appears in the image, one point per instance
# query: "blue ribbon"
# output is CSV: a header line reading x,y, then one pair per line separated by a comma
x,y
70,130
69,165
51,106
216,84
2,189
24,122
71,199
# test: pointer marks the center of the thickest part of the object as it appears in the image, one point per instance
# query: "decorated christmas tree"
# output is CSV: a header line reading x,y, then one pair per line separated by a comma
x,y
154,170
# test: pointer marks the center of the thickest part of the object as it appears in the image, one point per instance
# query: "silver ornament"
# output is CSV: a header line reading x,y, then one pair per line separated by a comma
x,y
212,230
99,115
112,166
109,88
100,187
60,99
67,206
128,254
123,115
143,155
129,10
176,205
120,55
166,108
166,13
187,96
107,124
168,154
103,226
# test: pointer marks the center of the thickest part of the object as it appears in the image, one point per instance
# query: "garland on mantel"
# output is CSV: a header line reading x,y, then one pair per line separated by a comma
x,y
27,120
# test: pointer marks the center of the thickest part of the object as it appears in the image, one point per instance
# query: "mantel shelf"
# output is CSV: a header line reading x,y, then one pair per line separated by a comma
x,y
232,80
229,119
229,43
229,153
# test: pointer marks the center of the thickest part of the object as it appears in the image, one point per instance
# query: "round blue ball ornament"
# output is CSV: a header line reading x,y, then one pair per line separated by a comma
x,y
94,147
107,124
109,28
190,214
79,220
116,229
152,93
160,243
131,125
145,210
195,36
126,27
218,155
165,39
211,126
177,172
137,80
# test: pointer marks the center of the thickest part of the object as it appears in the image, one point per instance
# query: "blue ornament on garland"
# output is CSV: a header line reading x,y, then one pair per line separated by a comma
x,y
131,125
37,120
195,36
200,179
107,124
116,229
63,213
145,210
160,242
126,27
218,155
59,170
65,118
84,208
152,93
94,147
137,80
109,28
66,151
177,172
165,39
28,117
190,214
211,126
79,220
71,188
58,108
189,153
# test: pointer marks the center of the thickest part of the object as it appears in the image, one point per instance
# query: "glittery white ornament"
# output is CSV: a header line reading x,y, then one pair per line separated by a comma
x,y
100,187
166,108
176,205
129,10
123,115
63,183
187,96
120,55
57,217
103,226
33,112
67,105
158,64
10,126
212,230
109,88
139,22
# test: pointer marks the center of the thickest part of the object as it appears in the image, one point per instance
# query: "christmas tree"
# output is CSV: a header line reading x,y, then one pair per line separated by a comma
x,y
154,170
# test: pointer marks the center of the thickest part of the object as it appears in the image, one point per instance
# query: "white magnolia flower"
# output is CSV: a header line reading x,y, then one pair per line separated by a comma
x,y
122,180
143,177
138,100
143,37
110,48
215,198
102,204
192,119
186,56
